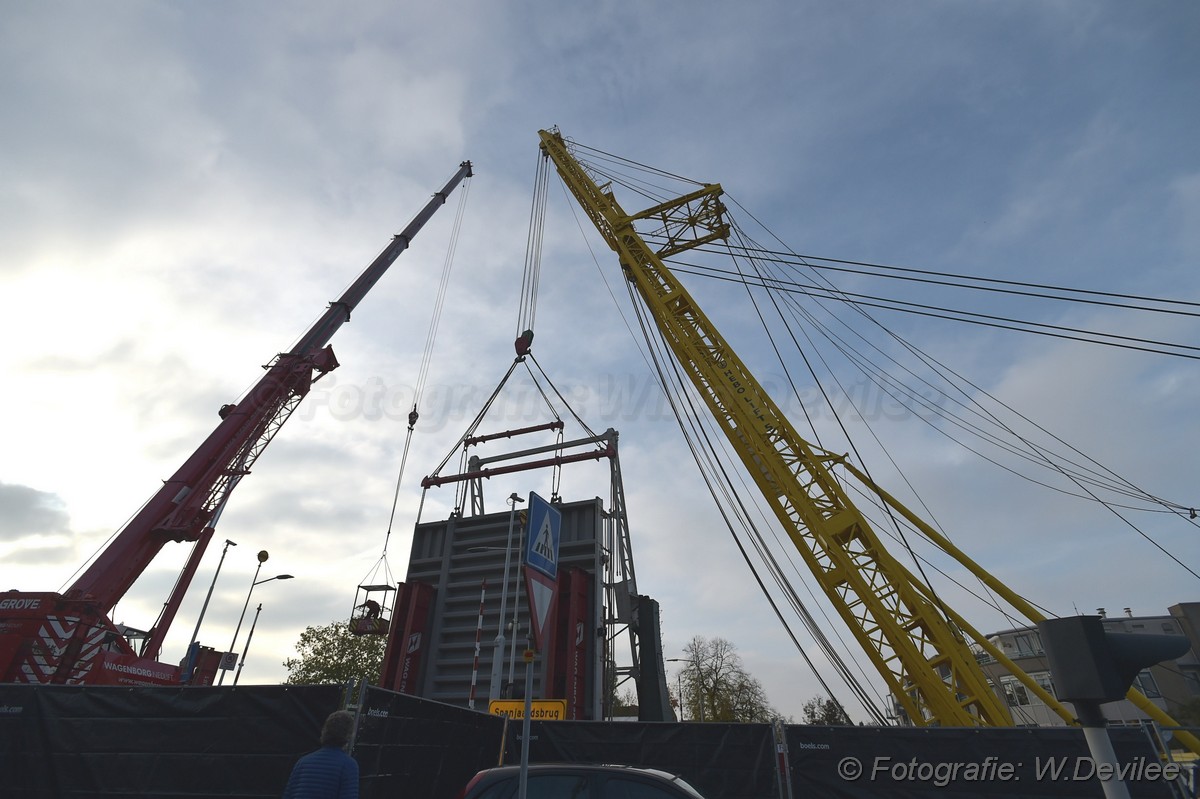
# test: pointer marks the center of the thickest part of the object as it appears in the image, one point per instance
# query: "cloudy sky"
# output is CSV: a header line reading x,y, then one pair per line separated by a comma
x,y
183,187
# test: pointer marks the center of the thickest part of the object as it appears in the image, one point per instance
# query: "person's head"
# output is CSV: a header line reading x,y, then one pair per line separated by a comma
x,y
338,729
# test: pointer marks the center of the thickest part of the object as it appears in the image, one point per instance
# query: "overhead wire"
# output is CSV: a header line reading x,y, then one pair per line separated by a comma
x,y
532,273
706,464
964,281
957,315
710,467
972,404
1032,453
423,372
1041,454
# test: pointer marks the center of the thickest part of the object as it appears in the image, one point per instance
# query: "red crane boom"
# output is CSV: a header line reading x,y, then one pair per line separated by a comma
x,y
60,638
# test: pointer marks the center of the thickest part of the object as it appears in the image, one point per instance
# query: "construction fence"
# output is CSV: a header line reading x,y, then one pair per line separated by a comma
x,y
60,741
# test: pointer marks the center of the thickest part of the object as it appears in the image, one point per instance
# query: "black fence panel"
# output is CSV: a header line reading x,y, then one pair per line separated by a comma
x,y
66,741
410,747
63,741
722,761
945,763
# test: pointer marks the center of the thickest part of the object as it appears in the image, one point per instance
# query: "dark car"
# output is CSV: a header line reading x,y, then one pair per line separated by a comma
x,y
579,781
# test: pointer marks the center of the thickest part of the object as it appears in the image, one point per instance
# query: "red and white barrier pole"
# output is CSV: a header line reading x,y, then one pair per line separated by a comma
x,y
478,638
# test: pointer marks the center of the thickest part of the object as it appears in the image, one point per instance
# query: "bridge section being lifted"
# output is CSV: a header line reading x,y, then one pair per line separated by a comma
x,y
461,618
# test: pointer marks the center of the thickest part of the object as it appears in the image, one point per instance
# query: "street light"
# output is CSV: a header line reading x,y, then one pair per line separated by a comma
x,y
249,638
262,558
498,650
191,656
699,686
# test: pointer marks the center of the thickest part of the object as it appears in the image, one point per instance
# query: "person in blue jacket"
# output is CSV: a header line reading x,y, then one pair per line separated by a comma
x,y
328,773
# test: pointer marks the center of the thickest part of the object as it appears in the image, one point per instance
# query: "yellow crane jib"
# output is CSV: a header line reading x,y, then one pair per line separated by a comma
x,y
918,645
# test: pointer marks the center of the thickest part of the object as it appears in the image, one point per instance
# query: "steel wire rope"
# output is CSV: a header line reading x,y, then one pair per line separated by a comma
x,y
1142,492
954,314
808,261
882,379
818,636
700,423
694,420
873,498
852,356
1054,464
557,393
899,536
995,605
1135,490
644,167
474,425
788,550
940,605
1050,462
423,372
531,276
785,585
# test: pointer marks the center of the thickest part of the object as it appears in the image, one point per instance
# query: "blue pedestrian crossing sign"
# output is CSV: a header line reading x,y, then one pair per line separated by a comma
x,y
541,542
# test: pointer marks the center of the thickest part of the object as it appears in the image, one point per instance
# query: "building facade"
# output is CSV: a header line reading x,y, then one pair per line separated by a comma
x,y
1168,685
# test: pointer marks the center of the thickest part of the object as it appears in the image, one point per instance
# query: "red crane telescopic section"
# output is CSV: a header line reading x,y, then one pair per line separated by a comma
x,y
188,504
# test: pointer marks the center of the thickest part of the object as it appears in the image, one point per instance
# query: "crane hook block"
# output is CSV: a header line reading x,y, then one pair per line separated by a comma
x,y
523,343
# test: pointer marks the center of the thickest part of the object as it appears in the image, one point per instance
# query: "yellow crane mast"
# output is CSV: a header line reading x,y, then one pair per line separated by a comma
x,y
919,646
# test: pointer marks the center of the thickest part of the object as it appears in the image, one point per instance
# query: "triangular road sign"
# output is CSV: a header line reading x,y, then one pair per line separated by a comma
x,y
541,592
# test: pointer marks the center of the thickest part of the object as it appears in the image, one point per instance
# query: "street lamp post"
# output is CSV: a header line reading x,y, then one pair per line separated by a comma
x,y
699,685
191,656
498,650
262,558
512,652
246,648
679,690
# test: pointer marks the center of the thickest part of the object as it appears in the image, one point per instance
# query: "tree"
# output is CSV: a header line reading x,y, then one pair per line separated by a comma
x,y
332,654
825,712
716,686
1188,714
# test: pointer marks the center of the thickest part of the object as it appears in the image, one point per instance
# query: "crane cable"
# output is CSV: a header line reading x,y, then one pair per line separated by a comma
x,y
714,474
531,277
1037,454
718,481
423,372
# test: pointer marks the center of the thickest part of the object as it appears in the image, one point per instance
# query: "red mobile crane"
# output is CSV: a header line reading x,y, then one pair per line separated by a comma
x,y
68,638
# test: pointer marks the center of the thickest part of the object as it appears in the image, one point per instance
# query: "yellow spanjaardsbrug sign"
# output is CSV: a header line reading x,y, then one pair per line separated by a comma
x,y
539,709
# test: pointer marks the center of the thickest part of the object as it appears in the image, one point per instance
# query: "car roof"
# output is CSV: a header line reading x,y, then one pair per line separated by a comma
x,y
585,767
499,772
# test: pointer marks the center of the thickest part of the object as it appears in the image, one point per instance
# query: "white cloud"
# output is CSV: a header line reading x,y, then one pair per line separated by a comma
x,y
186,188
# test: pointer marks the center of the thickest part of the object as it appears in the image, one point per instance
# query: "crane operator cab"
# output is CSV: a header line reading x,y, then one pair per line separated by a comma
x,y
372,610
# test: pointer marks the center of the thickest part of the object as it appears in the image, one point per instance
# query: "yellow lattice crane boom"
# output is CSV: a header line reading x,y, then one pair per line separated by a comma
x,y
918,645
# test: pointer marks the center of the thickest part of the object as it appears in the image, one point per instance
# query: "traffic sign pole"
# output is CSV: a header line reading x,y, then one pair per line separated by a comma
x,y
523,781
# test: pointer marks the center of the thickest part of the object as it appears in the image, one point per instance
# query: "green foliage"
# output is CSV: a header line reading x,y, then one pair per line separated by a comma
x,y
825,712
716,687
1188,714
331,654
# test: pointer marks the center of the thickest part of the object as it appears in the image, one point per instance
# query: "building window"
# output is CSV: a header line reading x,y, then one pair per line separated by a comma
x,y
1146,685
1028,644
1047,685
1193,680
1014,693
